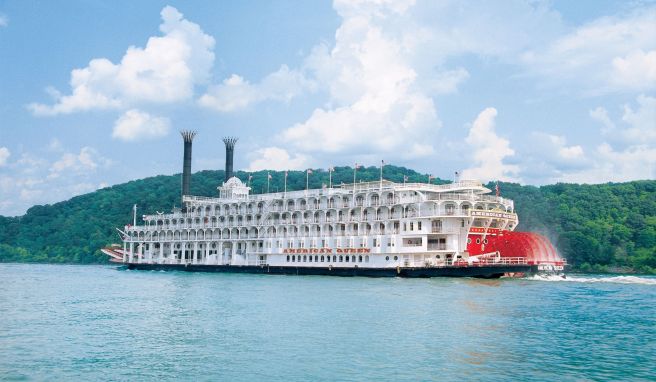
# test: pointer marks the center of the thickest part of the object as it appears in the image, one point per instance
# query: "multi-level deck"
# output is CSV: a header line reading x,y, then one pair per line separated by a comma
x,y
365,226
376,228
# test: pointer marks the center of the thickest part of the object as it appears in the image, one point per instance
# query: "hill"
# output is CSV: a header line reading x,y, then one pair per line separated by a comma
x,y
596,227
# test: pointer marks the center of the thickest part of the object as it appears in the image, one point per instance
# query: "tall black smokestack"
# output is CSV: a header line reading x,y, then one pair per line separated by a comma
x,y
230,150
187,137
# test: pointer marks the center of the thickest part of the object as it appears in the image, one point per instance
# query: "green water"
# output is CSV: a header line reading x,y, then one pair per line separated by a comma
x,y
98,323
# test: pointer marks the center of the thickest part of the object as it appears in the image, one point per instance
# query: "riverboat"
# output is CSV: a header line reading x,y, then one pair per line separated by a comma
x,y
379,229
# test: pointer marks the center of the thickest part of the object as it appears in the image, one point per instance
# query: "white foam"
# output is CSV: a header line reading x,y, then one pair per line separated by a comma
x,y
603,279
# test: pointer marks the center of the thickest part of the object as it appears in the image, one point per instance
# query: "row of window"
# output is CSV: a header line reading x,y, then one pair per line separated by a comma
x,y
412,226
335,259
324,243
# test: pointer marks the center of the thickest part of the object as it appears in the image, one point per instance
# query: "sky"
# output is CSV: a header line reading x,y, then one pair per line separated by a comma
x,y
93,93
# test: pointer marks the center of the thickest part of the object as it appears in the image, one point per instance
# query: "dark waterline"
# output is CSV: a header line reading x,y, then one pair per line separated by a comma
x,y
61,322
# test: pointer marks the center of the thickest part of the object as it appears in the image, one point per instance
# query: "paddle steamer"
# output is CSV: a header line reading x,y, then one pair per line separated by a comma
x,y
378,228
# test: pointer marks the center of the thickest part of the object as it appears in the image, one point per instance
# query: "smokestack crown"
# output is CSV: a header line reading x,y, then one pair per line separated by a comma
x,y
188,135
230,142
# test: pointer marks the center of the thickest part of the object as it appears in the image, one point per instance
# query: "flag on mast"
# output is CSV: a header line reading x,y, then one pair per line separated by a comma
x,y
496,188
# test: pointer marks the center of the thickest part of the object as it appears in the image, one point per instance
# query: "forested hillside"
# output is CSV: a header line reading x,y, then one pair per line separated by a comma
x,y
596,227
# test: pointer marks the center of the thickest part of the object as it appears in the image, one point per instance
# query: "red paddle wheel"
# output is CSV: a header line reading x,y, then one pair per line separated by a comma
x,y
535,248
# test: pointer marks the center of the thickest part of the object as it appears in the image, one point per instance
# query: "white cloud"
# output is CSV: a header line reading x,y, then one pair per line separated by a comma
x,y
275,158
637,70
642,121
29,195
235,93
4,20
608,54
34,180
82,188
547,157
4,155
630,154
555,148
135,125
388,60
638,125
600,114
418,150
17,193
86,161
571,152
610,165
376,103
489,150
55,145
30,164
448,81
166,70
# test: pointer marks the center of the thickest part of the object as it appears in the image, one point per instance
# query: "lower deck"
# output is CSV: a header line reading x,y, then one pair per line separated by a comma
x,y
494,271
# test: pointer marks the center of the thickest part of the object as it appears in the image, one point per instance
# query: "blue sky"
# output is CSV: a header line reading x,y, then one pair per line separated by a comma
x,y
92,93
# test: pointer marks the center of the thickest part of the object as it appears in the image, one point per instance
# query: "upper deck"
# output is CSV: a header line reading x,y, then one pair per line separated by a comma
x,y
364,194
462,190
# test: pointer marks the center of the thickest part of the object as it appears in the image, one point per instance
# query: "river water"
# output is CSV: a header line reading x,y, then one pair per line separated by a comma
x,y
66,322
